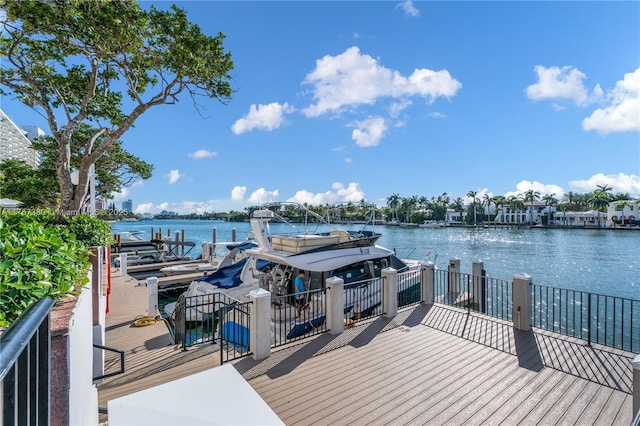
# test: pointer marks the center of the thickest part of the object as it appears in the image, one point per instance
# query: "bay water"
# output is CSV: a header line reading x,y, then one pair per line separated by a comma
x,y
600,261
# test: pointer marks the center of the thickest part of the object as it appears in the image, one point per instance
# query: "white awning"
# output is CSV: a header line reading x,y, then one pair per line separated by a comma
x,y
220,396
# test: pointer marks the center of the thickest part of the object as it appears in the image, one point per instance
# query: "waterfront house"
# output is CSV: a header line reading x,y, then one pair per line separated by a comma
x,y
532,211
623,211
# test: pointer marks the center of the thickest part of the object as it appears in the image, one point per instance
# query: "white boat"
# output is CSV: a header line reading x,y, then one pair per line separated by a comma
x,y
353,256
187,268
432,224
222,254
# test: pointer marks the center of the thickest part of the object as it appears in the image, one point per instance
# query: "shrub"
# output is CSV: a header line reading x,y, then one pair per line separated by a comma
x,y
41,259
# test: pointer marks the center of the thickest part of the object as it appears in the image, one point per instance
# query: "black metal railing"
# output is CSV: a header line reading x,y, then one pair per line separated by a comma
x,y
607,320
233,329
292,321
196,318
409,288
362,299
478,293
494,297
117,351
25,349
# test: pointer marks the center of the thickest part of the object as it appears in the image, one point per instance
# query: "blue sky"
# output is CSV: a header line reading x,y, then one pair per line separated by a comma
x,y
344,101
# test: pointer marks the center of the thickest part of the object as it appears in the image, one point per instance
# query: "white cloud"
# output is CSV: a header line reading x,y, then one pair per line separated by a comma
x,y
352,79
620,182
181,207
339,193
202,153
261,196
173,176
559,83
544,189
397,107
623,112
368,132
408,8
262,117
237,193
348,160
145,208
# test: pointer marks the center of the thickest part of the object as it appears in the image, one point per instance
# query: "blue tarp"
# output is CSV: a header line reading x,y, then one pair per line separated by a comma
x,y
229,276
237,334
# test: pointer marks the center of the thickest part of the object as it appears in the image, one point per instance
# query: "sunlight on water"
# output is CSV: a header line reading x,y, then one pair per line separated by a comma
x,y
599,261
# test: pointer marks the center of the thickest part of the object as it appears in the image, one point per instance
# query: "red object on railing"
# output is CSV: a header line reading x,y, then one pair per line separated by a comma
x,y
108,276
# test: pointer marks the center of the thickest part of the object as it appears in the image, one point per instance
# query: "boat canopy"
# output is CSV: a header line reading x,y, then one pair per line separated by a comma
x,y
229,276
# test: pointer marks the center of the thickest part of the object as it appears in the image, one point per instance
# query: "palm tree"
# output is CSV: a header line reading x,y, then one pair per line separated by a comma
x,y
487,201
472,195
393,201
599,199
530,195
604,188
516,204
500,200
550,201
571,198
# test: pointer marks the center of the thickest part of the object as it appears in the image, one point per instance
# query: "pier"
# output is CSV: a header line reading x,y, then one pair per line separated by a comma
x,y
430,364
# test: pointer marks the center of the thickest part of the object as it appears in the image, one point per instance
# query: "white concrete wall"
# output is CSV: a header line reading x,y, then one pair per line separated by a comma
x,y
83,394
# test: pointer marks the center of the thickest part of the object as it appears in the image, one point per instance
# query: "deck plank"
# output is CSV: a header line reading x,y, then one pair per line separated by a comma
x,y
428,365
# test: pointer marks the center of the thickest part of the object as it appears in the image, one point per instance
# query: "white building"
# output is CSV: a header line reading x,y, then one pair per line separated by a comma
x,y
623,211
532,212
588,218
14,143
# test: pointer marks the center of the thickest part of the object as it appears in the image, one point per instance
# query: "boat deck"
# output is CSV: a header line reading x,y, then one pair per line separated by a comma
x,y
429,365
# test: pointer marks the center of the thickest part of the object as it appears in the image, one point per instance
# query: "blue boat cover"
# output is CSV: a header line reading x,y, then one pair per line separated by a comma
x,y
229,276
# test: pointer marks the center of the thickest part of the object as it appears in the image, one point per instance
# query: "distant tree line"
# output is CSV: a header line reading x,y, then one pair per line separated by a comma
x,y
416,209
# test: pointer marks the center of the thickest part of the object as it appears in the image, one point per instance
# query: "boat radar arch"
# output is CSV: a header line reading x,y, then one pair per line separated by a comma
x,y
260,218
263,214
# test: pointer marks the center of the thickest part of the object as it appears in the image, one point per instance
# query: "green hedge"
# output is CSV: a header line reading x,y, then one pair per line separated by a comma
x,y
39,258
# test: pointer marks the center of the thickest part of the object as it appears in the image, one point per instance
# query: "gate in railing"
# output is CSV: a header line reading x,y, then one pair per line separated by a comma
x,y
234,330
409,288
25,349
490,296
607,320
216,319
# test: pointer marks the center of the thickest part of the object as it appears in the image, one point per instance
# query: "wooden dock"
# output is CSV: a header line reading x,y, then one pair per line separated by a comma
x,y
428,365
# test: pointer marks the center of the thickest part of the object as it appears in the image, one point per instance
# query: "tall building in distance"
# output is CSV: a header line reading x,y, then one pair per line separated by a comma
x,y
127,206
101,203
15,143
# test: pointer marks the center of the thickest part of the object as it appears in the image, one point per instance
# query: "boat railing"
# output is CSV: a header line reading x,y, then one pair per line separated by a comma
x,y
25,364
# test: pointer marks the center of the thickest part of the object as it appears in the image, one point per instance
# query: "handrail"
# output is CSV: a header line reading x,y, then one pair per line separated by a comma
x,y
106,348
20,332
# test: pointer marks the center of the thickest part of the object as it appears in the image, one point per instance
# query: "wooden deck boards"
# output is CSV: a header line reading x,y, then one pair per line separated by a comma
x,y
447,368
151,358
430,365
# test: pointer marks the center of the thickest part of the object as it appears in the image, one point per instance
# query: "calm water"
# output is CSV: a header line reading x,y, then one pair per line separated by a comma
x,y
599,261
